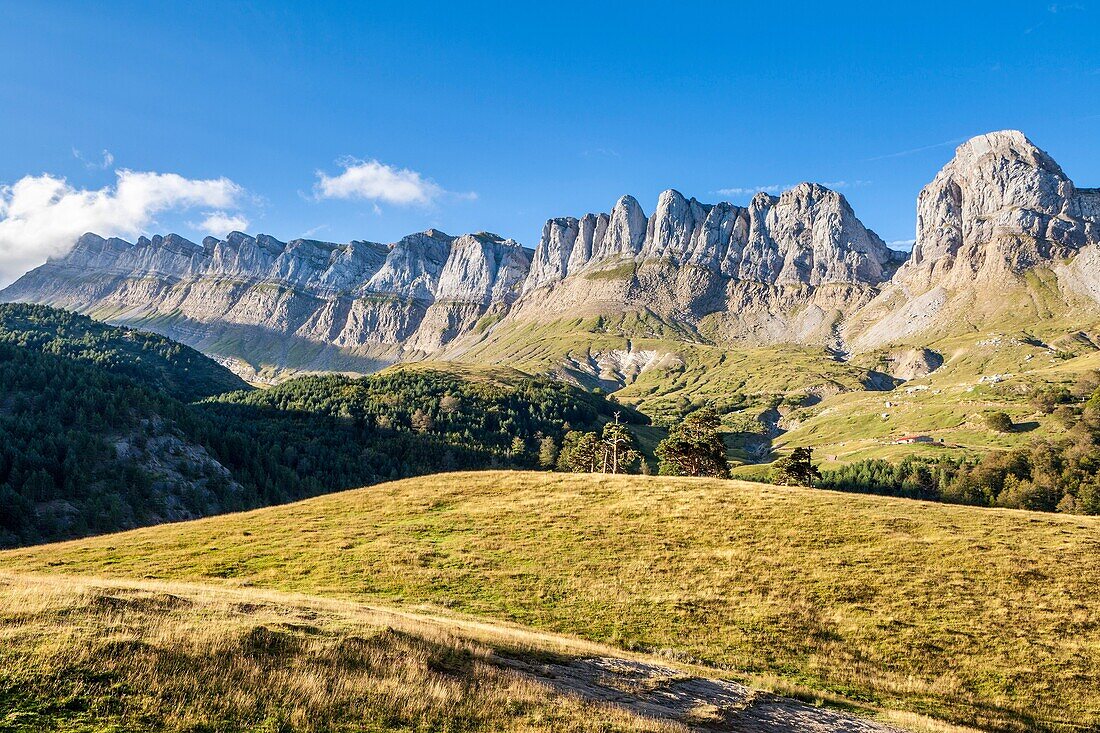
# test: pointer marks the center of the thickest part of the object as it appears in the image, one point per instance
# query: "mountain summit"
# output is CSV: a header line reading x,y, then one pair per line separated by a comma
x,y
809,235
1001,203
796,268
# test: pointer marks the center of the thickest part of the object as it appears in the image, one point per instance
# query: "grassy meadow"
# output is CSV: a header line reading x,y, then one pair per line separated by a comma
x,y
950,404
980,617
685,370
105,657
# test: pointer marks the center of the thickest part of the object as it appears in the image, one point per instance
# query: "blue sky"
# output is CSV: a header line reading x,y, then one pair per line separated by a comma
x,y
495,117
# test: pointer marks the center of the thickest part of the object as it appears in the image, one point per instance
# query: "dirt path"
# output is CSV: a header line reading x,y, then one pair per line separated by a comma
x,y
703,704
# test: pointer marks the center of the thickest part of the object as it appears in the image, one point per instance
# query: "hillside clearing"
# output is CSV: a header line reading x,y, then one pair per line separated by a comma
x,y
980,617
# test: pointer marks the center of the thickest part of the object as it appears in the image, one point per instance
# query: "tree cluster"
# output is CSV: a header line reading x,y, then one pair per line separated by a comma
x,y
506,418
1047,475
610,451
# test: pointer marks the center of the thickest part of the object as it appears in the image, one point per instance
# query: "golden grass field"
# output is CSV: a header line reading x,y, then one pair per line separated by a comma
x,y
980,617
105,656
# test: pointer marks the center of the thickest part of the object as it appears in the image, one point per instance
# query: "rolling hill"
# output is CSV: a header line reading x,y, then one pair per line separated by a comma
x,y
978,617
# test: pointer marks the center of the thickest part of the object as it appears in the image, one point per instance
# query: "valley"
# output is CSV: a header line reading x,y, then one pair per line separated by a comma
x,y
788,314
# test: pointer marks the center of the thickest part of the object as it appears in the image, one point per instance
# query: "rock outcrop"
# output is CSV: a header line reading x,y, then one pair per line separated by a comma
x,y
999,209
782,269
1001,204
799,268
807,236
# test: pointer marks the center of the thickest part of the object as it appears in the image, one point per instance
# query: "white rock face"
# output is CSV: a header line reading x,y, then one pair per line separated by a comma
x,y
1001,203
625,231
807,236
1000,207
799,267
811,235
551,262
413,266
483,269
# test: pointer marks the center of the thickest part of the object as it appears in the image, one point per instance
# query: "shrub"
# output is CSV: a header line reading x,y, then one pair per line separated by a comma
x,y
999,421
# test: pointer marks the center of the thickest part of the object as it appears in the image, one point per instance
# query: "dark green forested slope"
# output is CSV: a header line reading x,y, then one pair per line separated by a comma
x,y
147,358
92,440
61,473
487,410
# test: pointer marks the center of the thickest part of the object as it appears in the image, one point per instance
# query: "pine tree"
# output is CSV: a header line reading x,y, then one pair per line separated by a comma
x,y
568,444
797,469
518,447
618,447
585,453
694,447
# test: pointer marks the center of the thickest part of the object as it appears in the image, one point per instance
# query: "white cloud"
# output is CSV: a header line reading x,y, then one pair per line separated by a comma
x,y
221,223
911,151
601,153
752,190
107,161
313,231
774,188
904,244
42,216
375,181
846,184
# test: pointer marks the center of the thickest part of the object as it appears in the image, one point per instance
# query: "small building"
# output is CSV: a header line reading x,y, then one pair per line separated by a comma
x,y
910,439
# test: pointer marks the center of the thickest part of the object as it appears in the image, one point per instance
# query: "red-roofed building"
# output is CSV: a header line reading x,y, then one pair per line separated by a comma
x,y
910,439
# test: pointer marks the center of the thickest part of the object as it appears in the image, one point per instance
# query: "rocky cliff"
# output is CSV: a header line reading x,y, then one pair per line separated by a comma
x,y
302,304
799,268
782,269
999,210
807,236
1001,204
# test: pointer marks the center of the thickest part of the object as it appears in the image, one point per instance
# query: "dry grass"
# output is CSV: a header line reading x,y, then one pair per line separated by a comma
x,y
78,655
978,617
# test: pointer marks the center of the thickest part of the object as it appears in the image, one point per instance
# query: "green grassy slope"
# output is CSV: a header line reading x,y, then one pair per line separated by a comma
x,y
981,617
986,372
662,371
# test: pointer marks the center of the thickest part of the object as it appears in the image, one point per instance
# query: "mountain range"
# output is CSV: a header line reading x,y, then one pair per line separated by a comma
x,y
617,293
